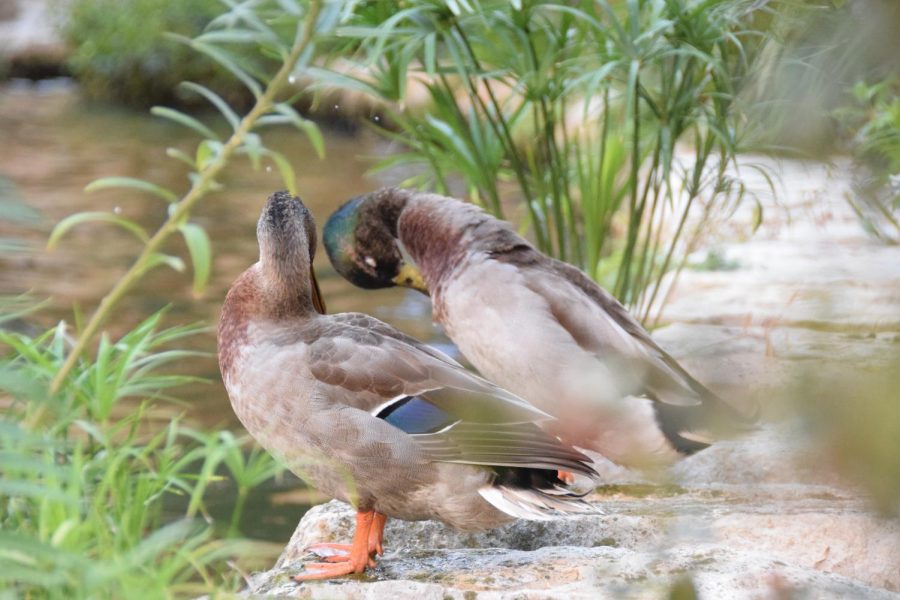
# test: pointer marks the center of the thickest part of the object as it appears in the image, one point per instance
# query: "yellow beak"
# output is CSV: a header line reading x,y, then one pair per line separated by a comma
x,y
409,276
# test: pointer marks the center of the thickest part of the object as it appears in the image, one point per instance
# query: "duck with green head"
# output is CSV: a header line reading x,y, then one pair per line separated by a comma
x,y
531,324
371,416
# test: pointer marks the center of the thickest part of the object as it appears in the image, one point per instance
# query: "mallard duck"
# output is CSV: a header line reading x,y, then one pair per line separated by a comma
x,y
369,415
532,324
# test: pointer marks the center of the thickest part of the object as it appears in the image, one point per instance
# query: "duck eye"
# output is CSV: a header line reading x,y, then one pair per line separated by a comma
x,y
370,261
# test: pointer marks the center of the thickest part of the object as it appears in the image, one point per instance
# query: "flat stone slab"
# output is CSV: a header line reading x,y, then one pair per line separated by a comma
x,y
604,572
810,264
729,543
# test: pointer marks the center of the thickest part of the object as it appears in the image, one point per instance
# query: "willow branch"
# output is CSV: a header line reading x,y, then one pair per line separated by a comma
x,y
198,190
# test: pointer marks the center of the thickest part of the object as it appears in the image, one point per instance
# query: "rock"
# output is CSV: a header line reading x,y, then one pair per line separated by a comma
x,y
30,44
587,573
728,545
762,365
810,264
744,519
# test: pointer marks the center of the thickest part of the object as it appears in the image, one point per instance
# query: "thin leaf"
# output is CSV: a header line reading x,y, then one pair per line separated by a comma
x,y
183,119
131,183
216,101
207,151
222,57
159,258
85,217
201,254
182,156
306,126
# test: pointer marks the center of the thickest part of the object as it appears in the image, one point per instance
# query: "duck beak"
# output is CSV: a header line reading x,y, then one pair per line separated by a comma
x,y
409,276
318,302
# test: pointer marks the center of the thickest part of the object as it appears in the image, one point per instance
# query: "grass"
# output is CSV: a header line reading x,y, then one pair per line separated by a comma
x,y
87,475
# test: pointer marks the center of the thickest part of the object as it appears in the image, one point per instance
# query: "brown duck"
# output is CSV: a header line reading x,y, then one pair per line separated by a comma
x,y
532,324
371,416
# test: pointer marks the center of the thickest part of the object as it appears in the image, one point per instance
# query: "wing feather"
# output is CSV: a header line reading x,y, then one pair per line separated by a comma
x,y
453,414
683,403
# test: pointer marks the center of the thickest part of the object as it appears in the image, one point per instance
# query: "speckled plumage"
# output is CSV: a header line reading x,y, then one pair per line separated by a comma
x,y
311,388
542,329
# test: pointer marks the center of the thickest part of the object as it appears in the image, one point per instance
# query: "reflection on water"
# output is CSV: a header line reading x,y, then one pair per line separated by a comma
x,y
52,145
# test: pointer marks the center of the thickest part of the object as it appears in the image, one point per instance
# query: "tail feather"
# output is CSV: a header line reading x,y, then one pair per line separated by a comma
x,y
537,504
690,429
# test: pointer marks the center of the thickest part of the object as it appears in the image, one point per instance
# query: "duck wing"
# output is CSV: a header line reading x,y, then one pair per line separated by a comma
x,y
453,414
600,325
610,329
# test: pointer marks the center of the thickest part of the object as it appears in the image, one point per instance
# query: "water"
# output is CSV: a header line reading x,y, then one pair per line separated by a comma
x,y
52,145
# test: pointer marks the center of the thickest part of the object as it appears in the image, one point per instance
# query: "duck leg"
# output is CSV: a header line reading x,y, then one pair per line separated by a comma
x,y
376,535
332,552
355,562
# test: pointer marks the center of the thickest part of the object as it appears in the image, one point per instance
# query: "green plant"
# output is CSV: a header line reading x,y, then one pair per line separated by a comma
x,y
872,122
84,481
248,469
875,118
576,111
120,51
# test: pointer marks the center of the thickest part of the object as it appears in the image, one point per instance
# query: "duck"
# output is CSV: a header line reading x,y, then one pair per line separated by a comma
x,y
534,325
371,416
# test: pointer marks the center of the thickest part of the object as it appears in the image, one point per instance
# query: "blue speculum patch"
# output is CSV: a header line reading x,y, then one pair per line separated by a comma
x,y
416,415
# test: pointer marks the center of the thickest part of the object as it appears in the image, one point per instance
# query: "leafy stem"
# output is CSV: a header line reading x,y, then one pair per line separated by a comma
x,y
204,181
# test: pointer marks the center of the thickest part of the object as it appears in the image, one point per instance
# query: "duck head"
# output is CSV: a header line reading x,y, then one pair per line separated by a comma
x,y
361,241
286,233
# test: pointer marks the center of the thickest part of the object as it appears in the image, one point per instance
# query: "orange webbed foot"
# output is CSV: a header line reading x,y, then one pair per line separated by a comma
x,y
333,553
344,559
329,549
315,571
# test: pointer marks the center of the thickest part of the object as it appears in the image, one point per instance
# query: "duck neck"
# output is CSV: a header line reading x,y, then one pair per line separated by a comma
x,y
286,285
433,230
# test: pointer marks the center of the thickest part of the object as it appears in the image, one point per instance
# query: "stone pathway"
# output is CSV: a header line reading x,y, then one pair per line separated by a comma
x,y
762,517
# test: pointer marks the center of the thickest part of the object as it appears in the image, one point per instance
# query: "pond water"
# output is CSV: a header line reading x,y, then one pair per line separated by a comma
x,y
52,144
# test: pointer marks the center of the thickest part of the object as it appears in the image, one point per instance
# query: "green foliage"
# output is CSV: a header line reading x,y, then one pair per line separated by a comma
x,y
875,118
84,482
574,111
825,48
120,53
872,124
